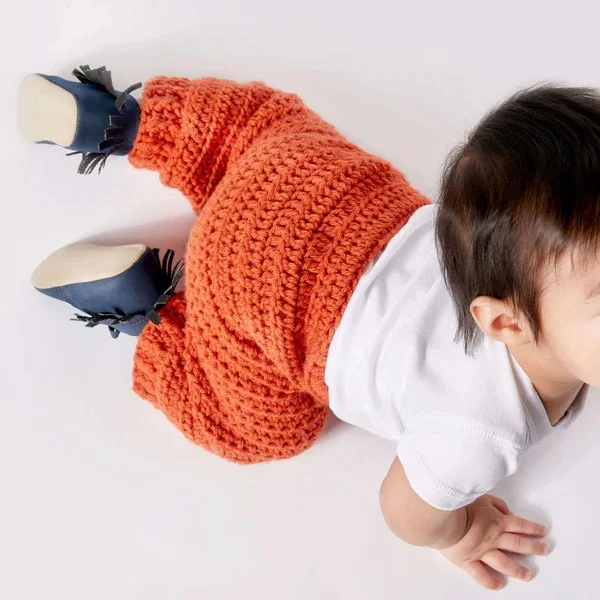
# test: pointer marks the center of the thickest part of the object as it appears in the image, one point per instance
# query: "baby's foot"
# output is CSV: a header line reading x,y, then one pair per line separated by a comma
x,y
89,117
122,287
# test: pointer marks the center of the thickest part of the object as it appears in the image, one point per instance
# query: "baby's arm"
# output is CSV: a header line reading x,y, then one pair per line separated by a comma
x,y
474,537
412,519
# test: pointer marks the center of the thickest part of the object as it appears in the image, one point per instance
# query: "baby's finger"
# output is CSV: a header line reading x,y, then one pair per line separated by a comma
x,y
507,566
483,576
514,524
500,505
512,542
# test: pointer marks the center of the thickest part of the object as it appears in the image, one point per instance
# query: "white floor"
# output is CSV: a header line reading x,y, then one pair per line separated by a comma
x,y
100,497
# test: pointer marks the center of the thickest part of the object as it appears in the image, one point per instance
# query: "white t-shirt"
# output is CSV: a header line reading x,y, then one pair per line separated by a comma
x,y
393,368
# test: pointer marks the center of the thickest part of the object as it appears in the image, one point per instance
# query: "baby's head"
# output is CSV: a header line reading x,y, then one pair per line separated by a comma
x,y
518,228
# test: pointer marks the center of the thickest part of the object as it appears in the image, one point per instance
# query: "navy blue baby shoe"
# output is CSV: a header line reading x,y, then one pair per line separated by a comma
x,y
122,287
87,116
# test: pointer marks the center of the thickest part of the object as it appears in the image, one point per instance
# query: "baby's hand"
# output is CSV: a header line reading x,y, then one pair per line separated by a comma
x,y
492,530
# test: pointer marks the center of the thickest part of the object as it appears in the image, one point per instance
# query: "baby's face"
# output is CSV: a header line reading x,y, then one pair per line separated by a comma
x,y
570,316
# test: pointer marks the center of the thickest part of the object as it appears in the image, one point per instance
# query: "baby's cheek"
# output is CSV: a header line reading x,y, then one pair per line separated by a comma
x,y
584,355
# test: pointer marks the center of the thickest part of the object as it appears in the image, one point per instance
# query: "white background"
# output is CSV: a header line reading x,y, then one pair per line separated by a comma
x,y
100,498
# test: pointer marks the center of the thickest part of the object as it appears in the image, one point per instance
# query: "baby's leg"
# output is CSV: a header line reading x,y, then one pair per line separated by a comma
x,y
190,131
218,387
235,414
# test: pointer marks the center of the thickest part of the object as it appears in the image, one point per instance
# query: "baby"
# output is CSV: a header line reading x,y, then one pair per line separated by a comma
x,y
318,278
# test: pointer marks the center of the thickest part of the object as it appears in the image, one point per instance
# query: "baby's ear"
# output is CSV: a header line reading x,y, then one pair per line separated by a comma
x,y
499,320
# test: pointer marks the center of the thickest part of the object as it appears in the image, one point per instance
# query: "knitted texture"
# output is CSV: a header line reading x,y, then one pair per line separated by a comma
x,y
290,214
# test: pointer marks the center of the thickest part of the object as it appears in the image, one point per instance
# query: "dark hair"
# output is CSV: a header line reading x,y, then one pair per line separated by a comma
x,y
522,189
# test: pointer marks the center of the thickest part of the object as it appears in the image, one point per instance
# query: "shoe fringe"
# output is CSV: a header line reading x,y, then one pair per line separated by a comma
x,y
116,132
173,275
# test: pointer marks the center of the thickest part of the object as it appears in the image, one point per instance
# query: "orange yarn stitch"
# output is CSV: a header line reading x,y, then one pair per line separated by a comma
x,y
289,216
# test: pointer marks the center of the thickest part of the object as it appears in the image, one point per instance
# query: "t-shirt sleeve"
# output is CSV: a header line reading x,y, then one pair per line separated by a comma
x,y
449,465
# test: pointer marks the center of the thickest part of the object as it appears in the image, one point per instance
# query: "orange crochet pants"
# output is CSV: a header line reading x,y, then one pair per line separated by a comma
x,y
289,216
